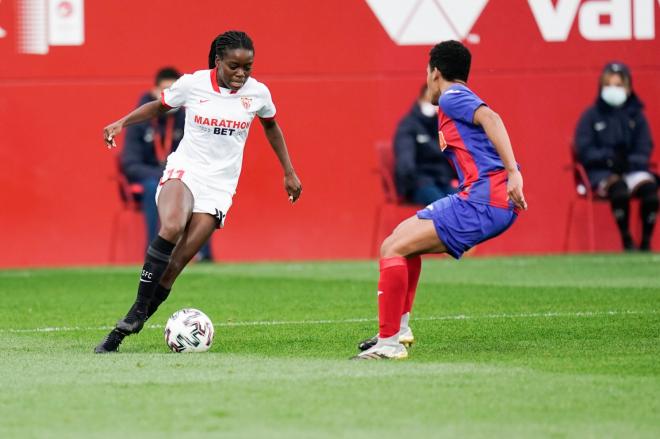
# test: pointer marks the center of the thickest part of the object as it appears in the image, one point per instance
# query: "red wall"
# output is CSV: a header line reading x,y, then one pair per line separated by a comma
x,y
340,84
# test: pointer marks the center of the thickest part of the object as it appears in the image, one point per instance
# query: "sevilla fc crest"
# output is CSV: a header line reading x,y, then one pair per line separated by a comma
x,y
246,102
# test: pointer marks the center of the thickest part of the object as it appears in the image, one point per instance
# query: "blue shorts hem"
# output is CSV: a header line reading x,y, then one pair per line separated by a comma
x,y
442,234
461,224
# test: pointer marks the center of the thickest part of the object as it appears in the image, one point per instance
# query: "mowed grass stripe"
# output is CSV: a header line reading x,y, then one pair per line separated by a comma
x,y
242,396
604,270
519,347
579,314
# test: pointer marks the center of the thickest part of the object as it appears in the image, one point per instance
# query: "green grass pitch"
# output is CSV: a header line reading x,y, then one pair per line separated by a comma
x,y
506,347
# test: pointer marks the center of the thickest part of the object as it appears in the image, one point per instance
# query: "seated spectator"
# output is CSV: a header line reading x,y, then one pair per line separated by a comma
x,y
146,148
422,173
614,145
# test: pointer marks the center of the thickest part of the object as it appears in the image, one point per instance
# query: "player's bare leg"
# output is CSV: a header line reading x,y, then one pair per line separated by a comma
x,y
412,238
174,210
200,229
197,233
414,265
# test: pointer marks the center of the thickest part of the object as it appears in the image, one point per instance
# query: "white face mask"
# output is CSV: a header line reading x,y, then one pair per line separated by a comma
x,y
614,95
428,109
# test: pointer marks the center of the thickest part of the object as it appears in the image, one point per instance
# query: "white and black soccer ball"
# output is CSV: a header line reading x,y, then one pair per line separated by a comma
x,y
189,330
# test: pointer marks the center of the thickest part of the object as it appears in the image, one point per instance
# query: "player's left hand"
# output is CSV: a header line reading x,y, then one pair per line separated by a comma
x,y
514,189
109,134
292,186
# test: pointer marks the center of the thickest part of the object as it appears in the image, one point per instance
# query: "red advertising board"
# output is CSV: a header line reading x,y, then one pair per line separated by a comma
x,y
341,74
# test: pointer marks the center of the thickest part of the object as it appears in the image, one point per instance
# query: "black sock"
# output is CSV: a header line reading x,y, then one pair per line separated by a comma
x,y
160,295
620,203
158,256
648,194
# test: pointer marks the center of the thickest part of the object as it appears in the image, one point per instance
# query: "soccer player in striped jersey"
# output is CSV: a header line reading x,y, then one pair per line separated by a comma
x,y
201,176
488,202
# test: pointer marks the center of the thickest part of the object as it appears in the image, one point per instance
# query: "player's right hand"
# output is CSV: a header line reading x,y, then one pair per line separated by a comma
x,y
109,134
292,186
514,189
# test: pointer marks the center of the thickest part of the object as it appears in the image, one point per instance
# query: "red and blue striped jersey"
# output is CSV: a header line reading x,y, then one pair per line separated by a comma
x,y
480,170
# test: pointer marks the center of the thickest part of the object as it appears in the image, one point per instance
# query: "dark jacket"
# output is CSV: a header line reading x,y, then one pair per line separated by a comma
x,y
419,160
138,157
612,140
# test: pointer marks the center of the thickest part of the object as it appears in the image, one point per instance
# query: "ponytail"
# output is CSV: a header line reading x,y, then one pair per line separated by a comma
x,y
212,54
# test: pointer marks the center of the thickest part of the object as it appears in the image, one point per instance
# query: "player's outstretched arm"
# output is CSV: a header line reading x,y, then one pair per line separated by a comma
x,y
496,132
140,114
275,137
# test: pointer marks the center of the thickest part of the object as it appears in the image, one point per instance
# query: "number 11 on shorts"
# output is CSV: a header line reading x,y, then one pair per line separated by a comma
x,y
171,173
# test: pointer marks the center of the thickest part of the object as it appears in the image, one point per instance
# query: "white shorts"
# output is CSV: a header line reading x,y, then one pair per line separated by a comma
x,y
632,179
206,198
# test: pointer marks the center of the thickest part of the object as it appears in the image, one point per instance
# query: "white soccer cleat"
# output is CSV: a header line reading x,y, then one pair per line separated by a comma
x,y
383,352
406,337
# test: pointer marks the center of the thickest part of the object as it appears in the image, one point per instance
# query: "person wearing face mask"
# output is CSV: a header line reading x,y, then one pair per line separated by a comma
x,y
613,143
146,148
422,173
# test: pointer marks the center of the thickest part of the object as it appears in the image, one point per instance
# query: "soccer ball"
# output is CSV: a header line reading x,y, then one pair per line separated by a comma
x,y
189,330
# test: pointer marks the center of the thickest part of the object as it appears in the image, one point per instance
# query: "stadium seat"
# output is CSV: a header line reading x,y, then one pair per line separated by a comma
x,y
583,194
127,222
392,209
586,196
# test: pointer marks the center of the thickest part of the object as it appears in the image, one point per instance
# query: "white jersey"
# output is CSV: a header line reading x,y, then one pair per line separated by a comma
x,y
217,124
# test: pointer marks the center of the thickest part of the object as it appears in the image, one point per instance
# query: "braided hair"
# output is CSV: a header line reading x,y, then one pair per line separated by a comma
x,y
229,40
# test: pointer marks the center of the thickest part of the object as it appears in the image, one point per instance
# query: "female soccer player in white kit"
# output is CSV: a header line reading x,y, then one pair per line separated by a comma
x,y
200,178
